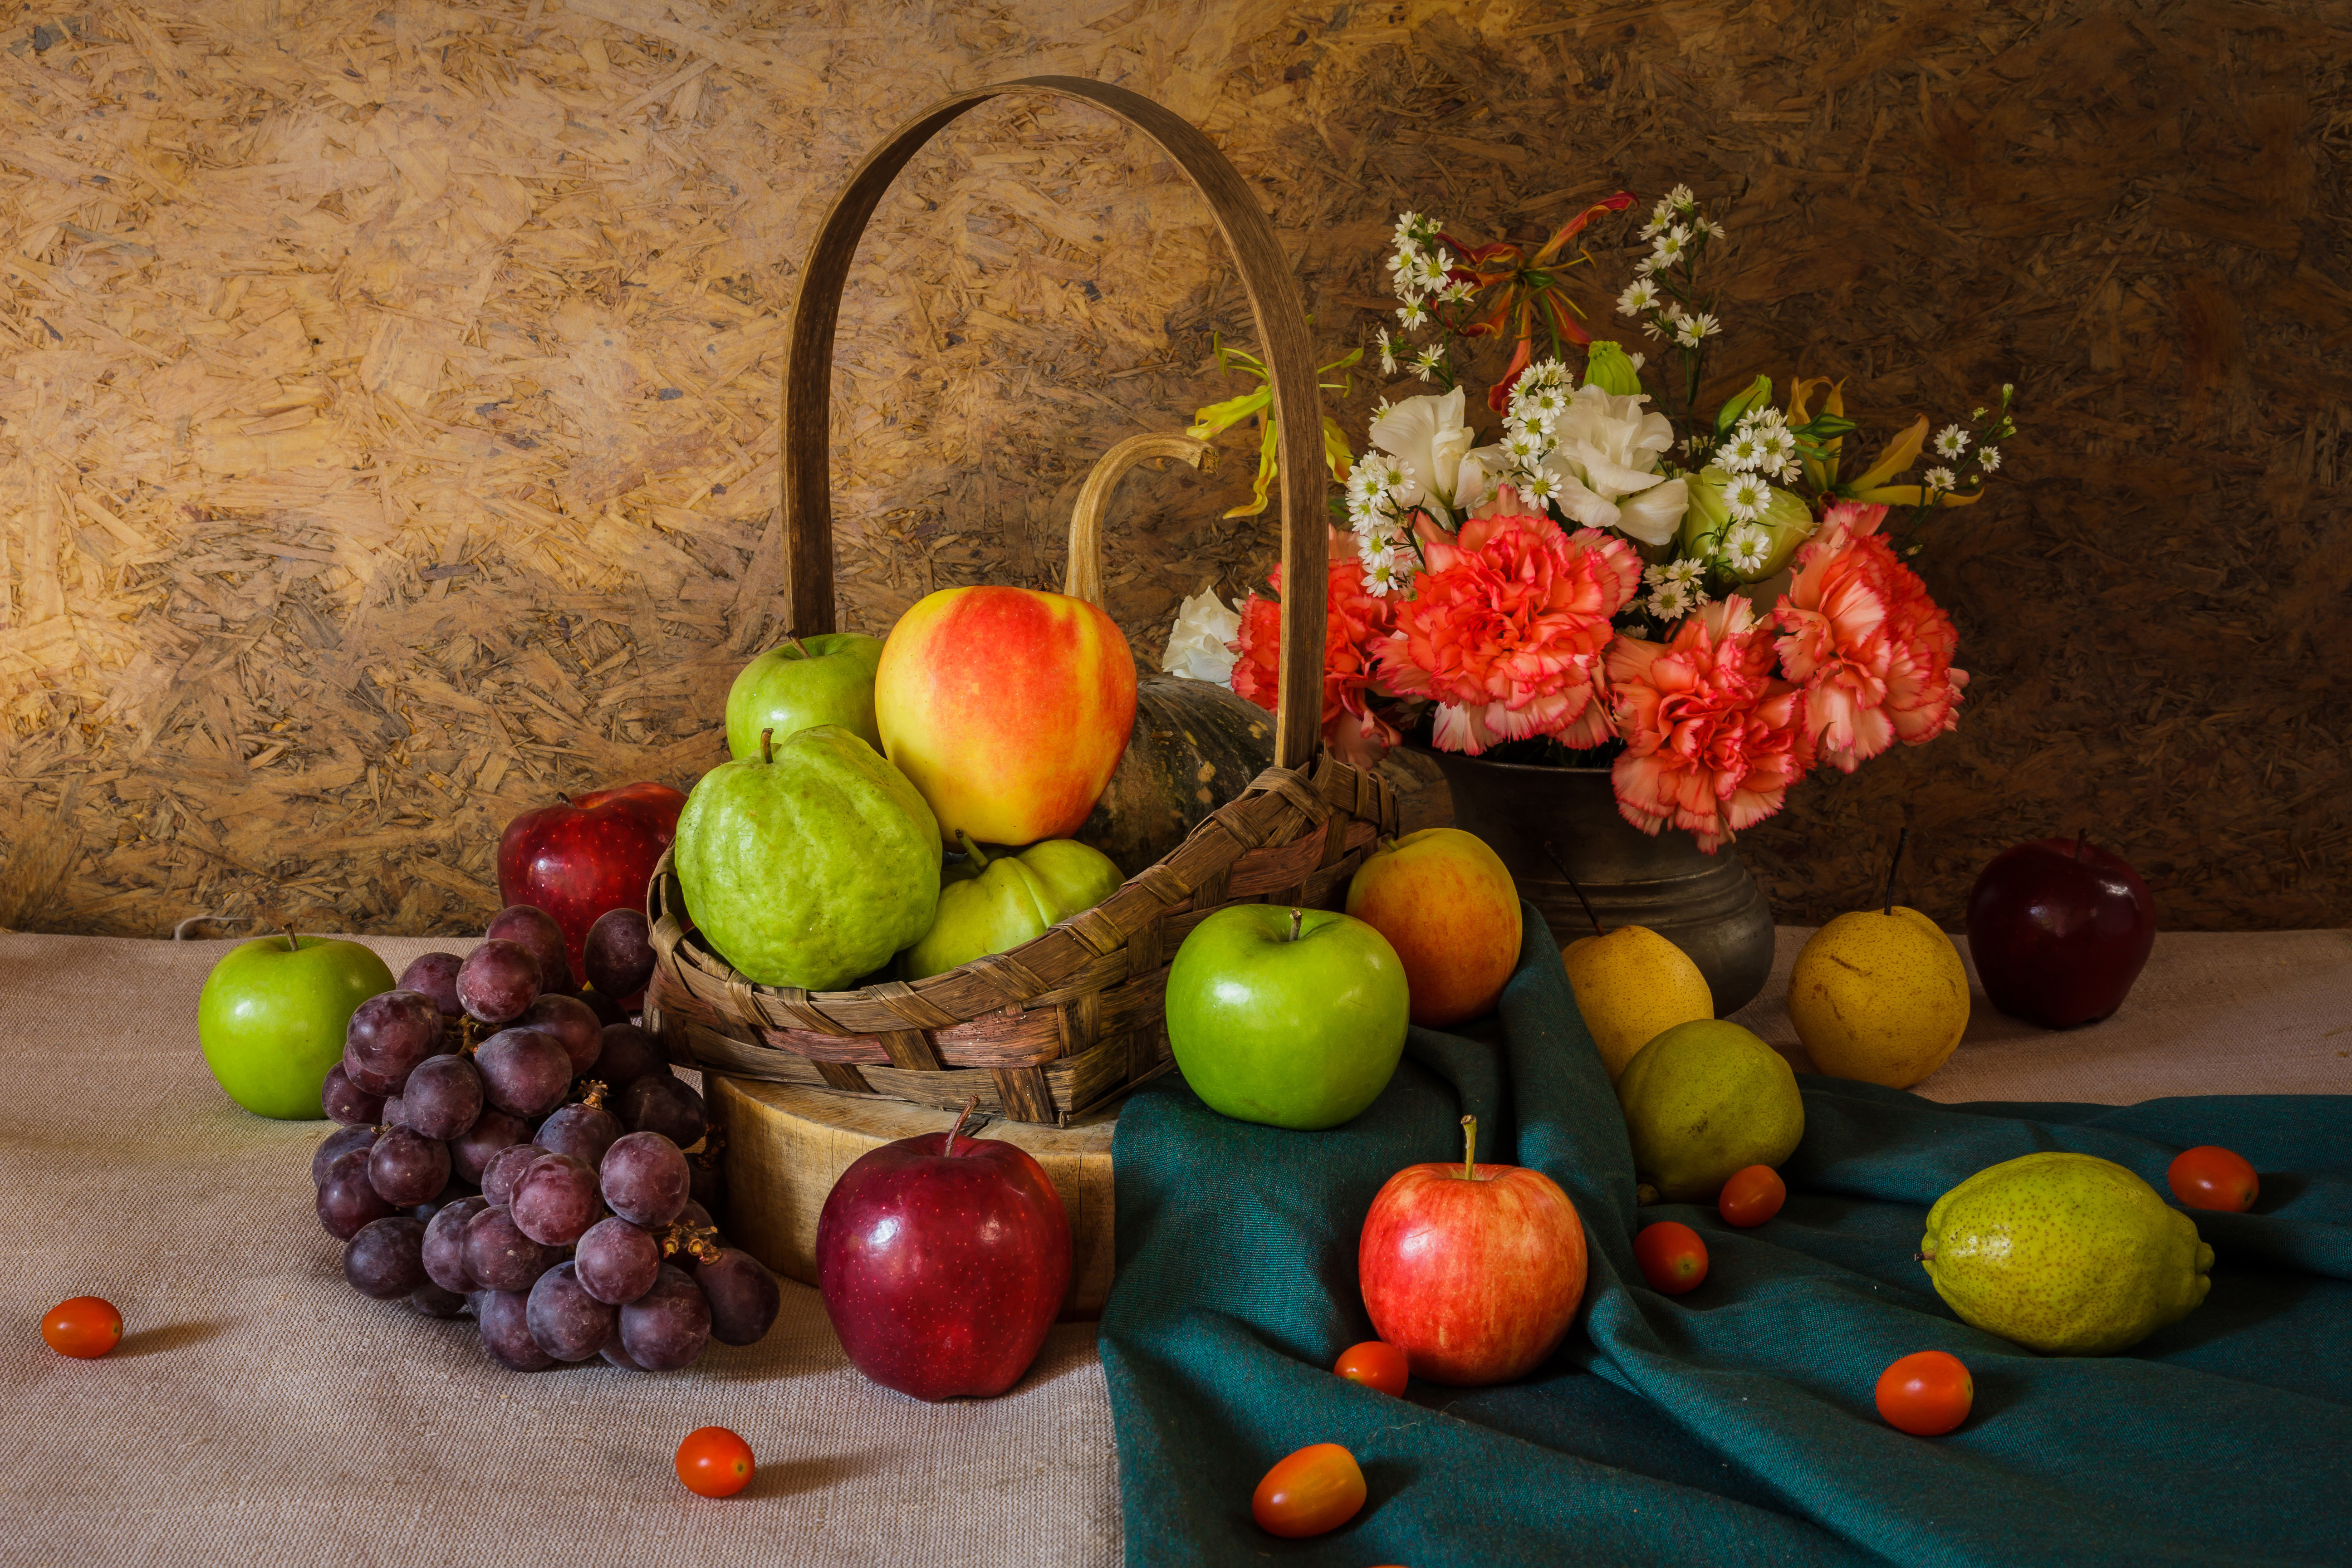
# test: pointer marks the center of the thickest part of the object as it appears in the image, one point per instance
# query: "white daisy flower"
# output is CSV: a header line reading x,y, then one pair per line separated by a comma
x,y
1769,418
1640,295
1690,330
1387,354
1686,571
1670,603
1952,441
1412,315
1545,406
1408,227
1653,576
1938,479
1709,227
1670,246
1646,266
1747,495
1680,199
1778,445
1742,453
1523,448
1745,546
1457,291
1428,363
1542,486
1988,458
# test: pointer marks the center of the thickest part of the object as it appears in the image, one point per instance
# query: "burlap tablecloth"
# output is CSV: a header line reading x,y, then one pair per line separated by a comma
x,y
260,1412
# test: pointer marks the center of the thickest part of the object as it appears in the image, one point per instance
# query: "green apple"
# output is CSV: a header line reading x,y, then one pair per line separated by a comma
x,y
1291,1017
993,904
803,682
808,864
272,1014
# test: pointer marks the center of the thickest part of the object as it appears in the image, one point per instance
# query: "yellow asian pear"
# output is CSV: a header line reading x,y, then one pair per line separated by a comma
x,y
1632,984
1879,996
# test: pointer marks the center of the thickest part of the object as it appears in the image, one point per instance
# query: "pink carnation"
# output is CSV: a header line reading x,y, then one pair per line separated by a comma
x,y
1505,629
1355,625
1712,741
1872,651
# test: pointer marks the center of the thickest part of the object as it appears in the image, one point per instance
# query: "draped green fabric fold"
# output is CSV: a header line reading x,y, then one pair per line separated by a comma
x,y
1735,1423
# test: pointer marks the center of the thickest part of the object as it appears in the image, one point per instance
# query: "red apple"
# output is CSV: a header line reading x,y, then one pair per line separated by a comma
x,y
2059,930
942,1262
1474,1271
1008,708
586,855
1447,904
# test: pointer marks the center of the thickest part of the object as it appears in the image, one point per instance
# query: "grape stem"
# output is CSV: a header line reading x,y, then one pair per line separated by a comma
x,y
697,1241
1598,928
713,1141
962,1116
1895,865
1469,1147
591,1093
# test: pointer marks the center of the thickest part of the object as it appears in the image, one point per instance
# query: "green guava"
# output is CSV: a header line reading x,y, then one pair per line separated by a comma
x,y
810,867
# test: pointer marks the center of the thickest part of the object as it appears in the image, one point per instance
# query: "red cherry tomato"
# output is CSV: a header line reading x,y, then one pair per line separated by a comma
x,y
2208,1177
87,1327
1673,1257
1317,1488
1376,1365
1752,1197
1926,1393
714,1462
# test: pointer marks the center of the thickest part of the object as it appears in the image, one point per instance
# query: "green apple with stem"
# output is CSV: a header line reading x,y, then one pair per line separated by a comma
x,y
272,1014
803,682
1286,1016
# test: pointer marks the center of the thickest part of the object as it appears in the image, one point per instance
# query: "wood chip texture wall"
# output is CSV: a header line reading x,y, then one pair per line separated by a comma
x,y
388,390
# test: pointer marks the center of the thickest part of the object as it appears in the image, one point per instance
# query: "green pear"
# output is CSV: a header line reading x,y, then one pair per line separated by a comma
x,y
995,904
1706,1098
2065,1254
1076,876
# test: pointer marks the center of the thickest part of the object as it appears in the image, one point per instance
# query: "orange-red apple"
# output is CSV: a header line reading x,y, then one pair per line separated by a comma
x,y
1007,708
1447,904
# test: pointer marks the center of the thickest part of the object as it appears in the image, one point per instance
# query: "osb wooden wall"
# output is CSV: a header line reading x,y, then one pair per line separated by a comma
x,y
390,405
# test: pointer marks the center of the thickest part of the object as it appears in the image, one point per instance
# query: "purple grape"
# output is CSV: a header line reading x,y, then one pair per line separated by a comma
x,y
709,1188
350,1162
629,1054
568,1323
340,1142
645,1178
407,1167
555,1200
443,1098
667,1327
505,1317
608,1011
524,1072
535,931
445,1244
619,956
500,1255
349,1203
386,1258
743,1297
497,981
570,1023
472,1153
613,1353
429,1300
387,1037
509,1164
394,1110
347,1102
660,1102
618,1261
434,975
584,1132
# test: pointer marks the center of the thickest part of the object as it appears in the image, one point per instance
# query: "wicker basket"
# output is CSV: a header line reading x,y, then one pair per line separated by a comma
x,y
1075,1016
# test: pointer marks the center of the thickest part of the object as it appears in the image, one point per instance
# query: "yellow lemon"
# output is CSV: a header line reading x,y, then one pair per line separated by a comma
x,y
1632,984
1879,997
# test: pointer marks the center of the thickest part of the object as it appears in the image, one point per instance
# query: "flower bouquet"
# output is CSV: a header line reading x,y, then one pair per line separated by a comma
x,y
1710,604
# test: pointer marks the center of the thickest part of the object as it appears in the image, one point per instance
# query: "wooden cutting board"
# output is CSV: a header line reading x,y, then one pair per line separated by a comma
x,y
786,1145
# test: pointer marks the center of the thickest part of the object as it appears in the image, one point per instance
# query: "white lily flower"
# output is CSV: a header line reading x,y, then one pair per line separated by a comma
x,y
1605,459
1196,644
1427,436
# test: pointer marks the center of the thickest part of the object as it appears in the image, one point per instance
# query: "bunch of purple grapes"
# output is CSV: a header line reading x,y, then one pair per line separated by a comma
x,y
512,1145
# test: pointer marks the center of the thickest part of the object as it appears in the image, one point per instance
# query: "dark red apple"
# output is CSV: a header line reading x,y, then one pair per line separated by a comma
x,y
1474,1271
943,1261
586,855
2059,930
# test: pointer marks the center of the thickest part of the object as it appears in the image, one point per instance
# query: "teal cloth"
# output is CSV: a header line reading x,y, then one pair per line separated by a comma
x,y
1734,1424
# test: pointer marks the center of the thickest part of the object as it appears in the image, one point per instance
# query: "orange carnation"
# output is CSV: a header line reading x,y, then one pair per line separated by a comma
x,y
1712,741
1872,651
1505,629
1355,625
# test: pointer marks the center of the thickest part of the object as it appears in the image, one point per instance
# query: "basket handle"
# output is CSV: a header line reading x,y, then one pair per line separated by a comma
x,y
1275,304
1082,578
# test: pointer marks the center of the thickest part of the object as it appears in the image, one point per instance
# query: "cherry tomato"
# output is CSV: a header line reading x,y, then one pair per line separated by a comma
x,y
87,1326
1926,1393
1752,1197
714,1462
1319,1488
2208,1177
1673,1257
1376,1365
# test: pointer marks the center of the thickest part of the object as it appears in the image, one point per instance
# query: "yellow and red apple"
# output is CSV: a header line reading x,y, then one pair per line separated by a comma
x,y
1007,708
1447,904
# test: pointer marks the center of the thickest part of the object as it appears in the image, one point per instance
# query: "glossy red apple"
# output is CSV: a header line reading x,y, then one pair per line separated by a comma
x,y
587,854
1474,1271
2059,930
943,1261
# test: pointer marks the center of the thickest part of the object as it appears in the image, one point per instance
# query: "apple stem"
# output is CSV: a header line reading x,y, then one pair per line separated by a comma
x,y
1469,1147
799,647
1297,919
971,851
2078,841
1901,834
767,745
962,1116
1598,928
293,942
564,797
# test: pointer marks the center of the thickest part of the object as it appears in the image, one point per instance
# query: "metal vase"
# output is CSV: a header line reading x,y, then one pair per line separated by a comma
x,y
1707,905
